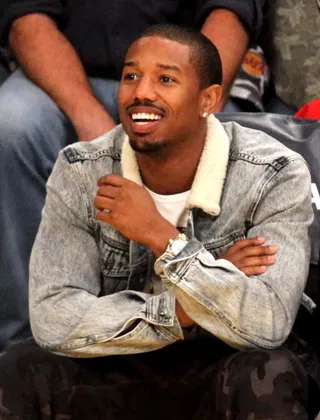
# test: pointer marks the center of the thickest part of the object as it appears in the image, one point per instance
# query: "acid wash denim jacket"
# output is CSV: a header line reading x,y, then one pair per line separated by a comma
x,y
87,280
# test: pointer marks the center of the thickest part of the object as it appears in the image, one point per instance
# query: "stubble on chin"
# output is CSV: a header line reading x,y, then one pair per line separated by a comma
x,y
147,146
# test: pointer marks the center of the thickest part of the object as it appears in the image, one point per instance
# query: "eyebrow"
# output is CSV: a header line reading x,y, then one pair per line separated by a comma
x,y
130,64
169,67
161,66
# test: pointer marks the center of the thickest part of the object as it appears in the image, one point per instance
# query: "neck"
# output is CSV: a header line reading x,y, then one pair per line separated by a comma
x,y
173,171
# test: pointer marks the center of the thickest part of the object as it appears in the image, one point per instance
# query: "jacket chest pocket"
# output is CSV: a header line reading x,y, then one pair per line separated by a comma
x,y
115,267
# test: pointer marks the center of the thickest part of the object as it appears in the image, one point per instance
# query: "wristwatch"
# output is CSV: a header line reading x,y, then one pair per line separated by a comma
x,y
176,245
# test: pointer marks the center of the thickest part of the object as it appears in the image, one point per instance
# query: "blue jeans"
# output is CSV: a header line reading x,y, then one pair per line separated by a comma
x,y
32,132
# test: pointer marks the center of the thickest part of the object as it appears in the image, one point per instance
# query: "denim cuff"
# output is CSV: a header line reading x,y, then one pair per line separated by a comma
x,y
171,269
160,309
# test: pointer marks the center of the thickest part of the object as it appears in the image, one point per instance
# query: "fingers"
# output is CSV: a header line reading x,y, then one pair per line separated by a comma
x,y
108,191
106,194
264,260
245,243
104,216
254,271
250,247
252,251
251,256
103,203
114,180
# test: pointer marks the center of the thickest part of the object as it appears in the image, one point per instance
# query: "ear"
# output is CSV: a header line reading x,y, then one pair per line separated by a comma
x,y
210,100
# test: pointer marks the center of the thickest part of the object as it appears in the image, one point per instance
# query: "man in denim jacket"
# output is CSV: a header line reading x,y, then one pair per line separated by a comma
x,y
70,55
126,259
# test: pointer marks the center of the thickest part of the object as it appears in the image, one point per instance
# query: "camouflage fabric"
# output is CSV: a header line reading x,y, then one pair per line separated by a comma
x,y
187,380
292,45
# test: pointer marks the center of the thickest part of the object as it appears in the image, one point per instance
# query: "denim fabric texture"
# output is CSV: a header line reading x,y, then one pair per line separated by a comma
x,y
87,280
33,131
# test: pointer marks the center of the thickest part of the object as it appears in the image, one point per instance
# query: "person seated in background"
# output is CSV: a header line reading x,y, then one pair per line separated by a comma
x,y
126,261
290,39
70,57
283,75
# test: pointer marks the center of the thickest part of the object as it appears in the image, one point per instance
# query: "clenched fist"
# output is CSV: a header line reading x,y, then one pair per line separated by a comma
x,y
129,208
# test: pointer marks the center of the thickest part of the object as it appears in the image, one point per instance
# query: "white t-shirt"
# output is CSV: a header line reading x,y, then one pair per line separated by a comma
x,y
171,206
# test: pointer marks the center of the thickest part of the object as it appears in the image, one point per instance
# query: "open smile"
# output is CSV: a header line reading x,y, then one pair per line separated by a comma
x,y
143,122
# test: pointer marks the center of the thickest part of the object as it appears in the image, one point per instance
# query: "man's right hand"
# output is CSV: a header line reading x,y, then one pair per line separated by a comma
x,y
251,256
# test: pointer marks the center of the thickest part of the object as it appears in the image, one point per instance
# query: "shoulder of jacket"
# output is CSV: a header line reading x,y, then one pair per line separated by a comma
x,y
256,145
108,144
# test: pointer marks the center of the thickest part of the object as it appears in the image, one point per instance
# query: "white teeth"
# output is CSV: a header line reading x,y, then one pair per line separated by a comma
x,y
145,116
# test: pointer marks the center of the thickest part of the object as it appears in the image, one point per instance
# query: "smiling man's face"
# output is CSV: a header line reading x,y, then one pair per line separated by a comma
x,y
160,96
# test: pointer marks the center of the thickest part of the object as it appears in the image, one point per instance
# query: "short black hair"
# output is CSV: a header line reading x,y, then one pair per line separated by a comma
x,y
203,55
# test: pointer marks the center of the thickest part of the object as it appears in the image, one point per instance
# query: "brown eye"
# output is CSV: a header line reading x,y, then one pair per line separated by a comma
x,y
130,76
166,79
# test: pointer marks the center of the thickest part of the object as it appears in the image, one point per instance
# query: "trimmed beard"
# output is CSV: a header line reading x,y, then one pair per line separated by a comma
x,y
148,147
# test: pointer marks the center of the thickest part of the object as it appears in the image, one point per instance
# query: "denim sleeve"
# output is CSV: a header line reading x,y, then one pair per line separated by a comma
x,y
250,12
13,9
67,313
258,311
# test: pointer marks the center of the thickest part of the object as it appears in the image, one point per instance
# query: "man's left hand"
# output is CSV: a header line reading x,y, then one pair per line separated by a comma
x,y
129,208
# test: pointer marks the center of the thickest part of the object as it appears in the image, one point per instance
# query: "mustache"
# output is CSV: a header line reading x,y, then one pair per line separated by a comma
x,y
145,103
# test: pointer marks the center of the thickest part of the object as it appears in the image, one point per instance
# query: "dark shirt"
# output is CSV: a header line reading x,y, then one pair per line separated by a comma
x,y
102,30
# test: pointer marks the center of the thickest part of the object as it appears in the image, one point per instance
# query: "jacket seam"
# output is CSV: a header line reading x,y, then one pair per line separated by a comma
x,y
212,246
276,164
265,185
74,156
84,193
111,242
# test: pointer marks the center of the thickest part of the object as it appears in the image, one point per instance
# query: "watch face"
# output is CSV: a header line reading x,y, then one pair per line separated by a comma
x,y
178,245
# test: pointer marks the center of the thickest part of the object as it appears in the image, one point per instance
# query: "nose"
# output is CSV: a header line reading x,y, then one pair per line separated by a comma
x,y
145,89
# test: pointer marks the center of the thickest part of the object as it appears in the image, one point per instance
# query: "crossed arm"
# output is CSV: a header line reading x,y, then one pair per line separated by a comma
x,y
69,315
117,195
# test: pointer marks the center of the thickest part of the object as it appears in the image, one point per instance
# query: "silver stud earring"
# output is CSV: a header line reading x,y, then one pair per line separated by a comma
x,y
205,114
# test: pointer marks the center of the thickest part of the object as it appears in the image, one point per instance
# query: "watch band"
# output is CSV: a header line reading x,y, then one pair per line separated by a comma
x,y
174,247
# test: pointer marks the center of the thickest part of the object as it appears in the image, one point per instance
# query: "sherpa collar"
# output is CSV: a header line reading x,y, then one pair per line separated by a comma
x,y
209,179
